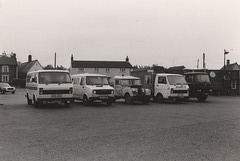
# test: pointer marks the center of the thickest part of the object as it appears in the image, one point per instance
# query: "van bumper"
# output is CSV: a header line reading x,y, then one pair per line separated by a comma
x,y
56,99
141,97
102,98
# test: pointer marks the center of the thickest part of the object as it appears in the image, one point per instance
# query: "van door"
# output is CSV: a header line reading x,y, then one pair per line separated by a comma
x,y
118,88
76,87
82,87
162,86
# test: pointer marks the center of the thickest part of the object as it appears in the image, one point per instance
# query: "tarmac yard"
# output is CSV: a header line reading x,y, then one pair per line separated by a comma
x,y
167,131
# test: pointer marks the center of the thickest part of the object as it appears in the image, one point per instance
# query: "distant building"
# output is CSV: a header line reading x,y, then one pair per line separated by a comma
x,y
109,68
229,66
30,65
8,67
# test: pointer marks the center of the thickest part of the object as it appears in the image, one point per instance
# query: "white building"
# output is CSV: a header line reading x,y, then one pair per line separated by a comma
x,y
29,66
109,68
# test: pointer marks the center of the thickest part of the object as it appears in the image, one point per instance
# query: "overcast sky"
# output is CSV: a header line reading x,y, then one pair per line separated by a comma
x,y
164,32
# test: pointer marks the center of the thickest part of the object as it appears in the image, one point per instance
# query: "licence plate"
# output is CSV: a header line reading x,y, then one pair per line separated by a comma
x,y
180,95
103,97
56,95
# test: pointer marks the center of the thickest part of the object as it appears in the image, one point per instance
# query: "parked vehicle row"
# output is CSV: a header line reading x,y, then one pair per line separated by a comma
x,y
46,86
5,87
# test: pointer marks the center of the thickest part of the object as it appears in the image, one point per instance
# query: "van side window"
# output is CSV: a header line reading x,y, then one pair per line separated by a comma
x,y
189,78
34,78
117,82
82,81
28,78
162,80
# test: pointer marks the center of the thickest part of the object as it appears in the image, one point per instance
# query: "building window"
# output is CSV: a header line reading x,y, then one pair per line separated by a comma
x,y
122,70
96,70
5,78
234,84
107,70
80,69
5,69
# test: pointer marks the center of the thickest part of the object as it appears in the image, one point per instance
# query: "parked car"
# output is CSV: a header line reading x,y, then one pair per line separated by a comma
x,y
45,86
130,88
92,88
5,87
199,85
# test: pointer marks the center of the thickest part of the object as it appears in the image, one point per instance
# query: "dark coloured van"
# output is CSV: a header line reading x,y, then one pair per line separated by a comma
x,y
199,85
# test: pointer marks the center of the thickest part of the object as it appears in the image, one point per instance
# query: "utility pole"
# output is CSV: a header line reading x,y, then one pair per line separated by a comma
x,y
225,53
55,60
197,63
204,64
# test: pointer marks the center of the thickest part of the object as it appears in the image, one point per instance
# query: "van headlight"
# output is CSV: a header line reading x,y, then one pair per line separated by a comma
x,y
70,90
40,91
94,91
112,91
171,90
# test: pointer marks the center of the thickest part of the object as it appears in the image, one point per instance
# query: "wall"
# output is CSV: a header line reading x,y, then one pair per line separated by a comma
x,y
35,67
113,72
12,72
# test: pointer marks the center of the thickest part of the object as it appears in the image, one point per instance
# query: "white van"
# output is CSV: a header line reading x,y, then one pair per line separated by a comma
x,y
170,86
49,86
92,87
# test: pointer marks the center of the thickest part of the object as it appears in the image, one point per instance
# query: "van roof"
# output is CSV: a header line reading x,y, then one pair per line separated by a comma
x,y
88,74
39,71
125,77
195,73
168,74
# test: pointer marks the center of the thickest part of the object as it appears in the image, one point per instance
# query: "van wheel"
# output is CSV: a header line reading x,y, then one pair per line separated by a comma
x,y
86,102
159,98
109,103
29,101
67,104
35,102
128,99
178,100
202,98
145,102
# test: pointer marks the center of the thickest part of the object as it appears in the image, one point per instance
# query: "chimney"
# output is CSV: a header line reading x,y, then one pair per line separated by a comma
x,y
72,58
29,58
127,59
228,61
13,55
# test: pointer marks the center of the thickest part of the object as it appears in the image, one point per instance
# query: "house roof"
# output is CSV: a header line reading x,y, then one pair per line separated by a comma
x,y
5,60
233,66
177,68
25,67
101,64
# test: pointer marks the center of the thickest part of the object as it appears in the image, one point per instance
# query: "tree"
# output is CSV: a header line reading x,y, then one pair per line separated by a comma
x,y
48,67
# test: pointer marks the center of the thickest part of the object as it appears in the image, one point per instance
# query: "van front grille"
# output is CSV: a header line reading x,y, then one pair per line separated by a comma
x,y
56,91
180,91
103,91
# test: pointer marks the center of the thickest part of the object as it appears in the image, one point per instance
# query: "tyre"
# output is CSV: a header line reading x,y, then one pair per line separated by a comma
x,y
128,99
13,92
159,98
29,101
67,104
145,102
178,100
109,102
86,102
35,102
202,98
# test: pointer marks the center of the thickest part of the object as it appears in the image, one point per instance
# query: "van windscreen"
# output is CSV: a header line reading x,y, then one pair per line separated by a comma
x,y
95,80
54,77
202,78
175,80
